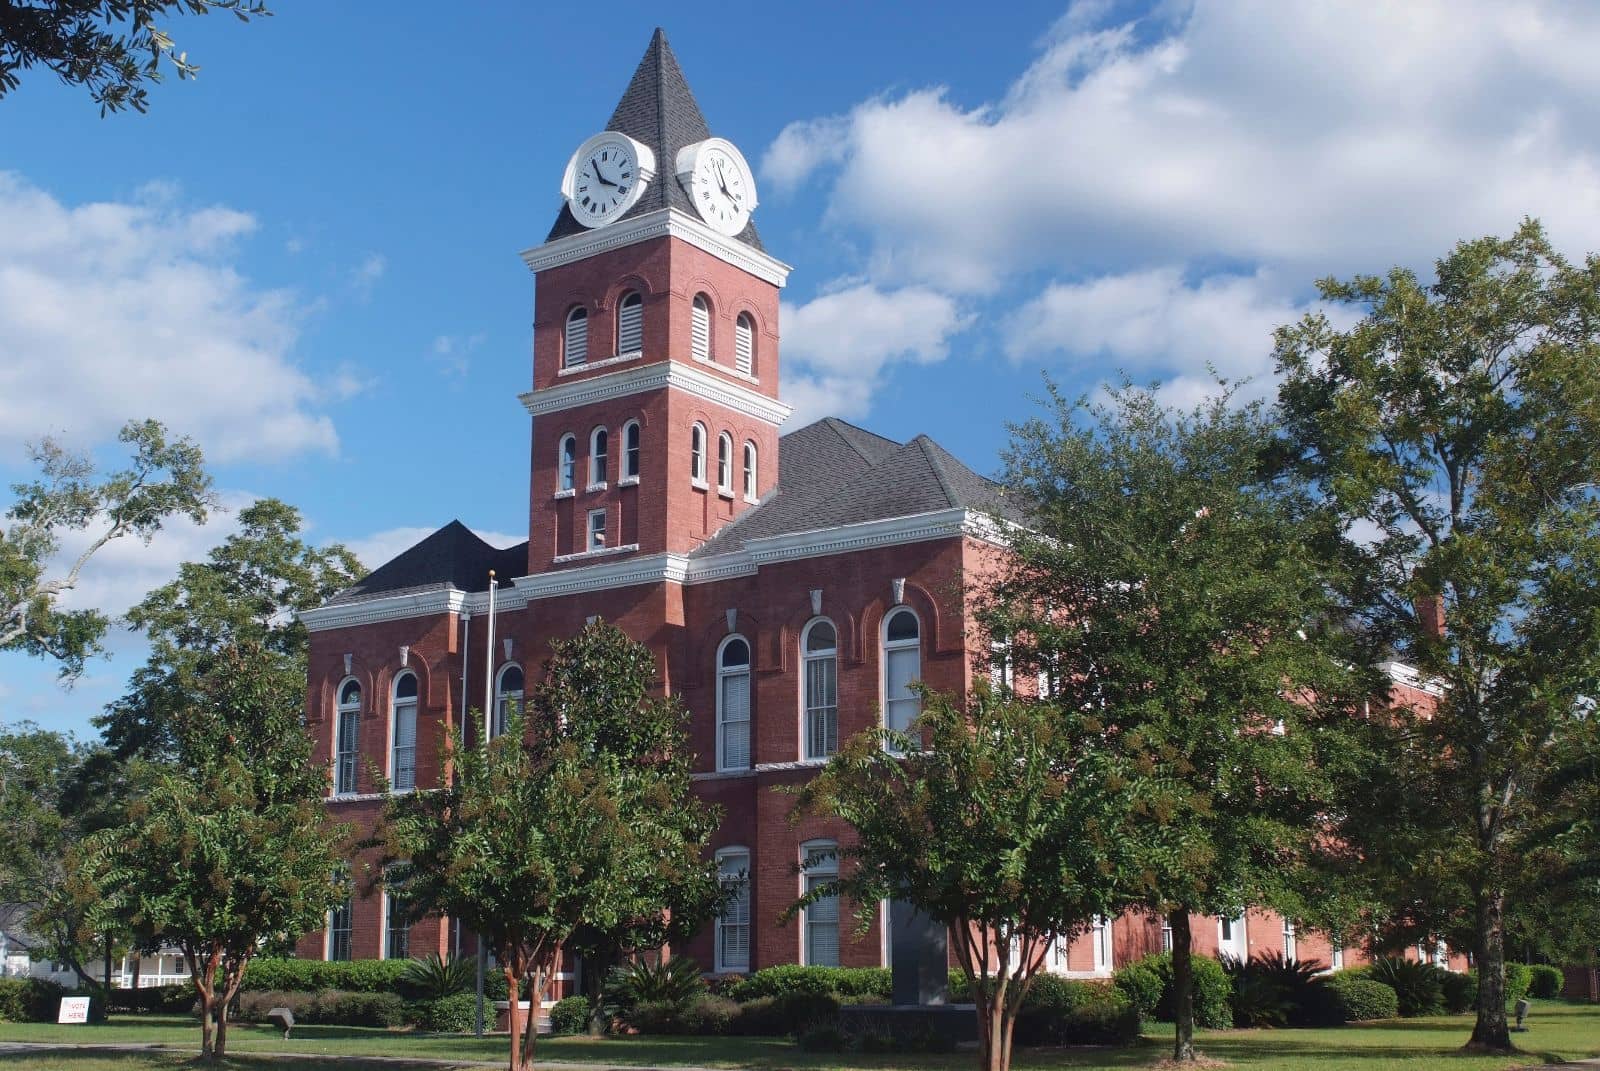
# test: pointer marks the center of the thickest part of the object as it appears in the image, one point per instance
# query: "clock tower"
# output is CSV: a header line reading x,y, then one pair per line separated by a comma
x,y
655,355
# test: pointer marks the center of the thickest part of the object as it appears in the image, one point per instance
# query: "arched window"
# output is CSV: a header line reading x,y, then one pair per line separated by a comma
x,y
819,921
749,471
725,462
744,344
349,725
630,324
700,329
733,704
567,461
507,698
597,457
733,924
820,656
575,343
630,450
403,734
902,665
697,454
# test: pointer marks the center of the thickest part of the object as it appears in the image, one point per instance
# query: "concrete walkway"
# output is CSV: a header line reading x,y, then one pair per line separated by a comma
x,y
7,1047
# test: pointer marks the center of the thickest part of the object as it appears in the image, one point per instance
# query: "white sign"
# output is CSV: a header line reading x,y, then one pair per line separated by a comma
x,y
74,1010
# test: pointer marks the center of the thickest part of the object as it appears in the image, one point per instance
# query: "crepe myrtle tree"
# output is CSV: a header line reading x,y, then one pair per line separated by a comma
x,y
1176,588
1006,819
578,819
1456,428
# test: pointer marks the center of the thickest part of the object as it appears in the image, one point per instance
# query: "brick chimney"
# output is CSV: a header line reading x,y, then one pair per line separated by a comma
x,y
1430,615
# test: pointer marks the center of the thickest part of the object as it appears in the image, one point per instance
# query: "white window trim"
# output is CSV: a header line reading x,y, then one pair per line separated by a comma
x,y
744,323
327,930
570,492
566,338
622,305
593,487
806,658
604,460
698,302
750,455
628,481
394,717
748,672
725,464
885,646
699,446
1291,941
827,869
340,709
717,965
625,478
561,465
500,692
589,532
384,928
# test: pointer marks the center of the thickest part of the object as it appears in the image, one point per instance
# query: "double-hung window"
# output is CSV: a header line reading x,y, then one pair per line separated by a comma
x,y
902,667
725,463
733,704
820,939
339,922
567,462
403,748
821,681
396,923
599,442
750,483
349,728
508,698
733,925
630,450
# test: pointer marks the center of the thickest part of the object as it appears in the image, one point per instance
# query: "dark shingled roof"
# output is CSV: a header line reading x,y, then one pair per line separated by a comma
x,y
452,557
831,473
659,110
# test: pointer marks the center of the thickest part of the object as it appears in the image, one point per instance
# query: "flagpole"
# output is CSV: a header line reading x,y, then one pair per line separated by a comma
x,y
488,713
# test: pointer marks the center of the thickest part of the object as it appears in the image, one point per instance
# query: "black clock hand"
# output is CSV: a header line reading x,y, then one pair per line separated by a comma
x,y
600,174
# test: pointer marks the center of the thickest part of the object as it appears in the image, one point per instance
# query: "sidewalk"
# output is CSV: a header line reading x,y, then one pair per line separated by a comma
x,y
7,1047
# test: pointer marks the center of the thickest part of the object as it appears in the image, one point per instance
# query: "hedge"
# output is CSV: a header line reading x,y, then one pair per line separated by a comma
x,y
1063,1011
846,982
570,1015
1419,986
329,1007
1547,982
311,975
453,1014
1358,998
1519,976
789,1014
178,998
30,1000
1152,976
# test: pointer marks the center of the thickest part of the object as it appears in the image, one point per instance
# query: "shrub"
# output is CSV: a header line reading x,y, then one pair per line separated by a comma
x,y
1061,1011
1417,985
454,1013
1273,990
672,983
790,1014
1519,976
709,1015
432,977
1211,989
1357,998
310,975
1460,991
30,1000
177,998
847,982
654,1017
1142,985
254,1005
823,1039
570,1016
1547,982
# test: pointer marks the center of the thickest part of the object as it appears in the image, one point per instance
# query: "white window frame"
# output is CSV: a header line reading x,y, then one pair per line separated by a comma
x,y
697,454
807,658
700,328
1100,938
389,930
343,757
630,308
396,706
726,875
890,648
330,943
752,483
744,344
502,713
1291,941
726,674
632,443
1166,936
725,464
1002,666
599,457
825,868
575,340
567,463
594,538
1335,954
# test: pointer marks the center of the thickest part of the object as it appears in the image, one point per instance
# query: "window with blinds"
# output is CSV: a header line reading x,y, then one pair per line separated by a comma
x,y
339,931
902,666
403,757
397,929
700,329
630,325
744,344
349,730
575,347
733,925
821,917
733,705
821,690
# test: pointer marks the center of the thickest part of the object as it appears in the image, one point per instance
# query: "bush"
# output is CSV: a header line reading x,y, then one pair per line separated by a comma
x,y
432,977
179,998
673,984
1061,1011
1273,990
331,1007
1211,989
1418,986
791,1014
311,975
30,1000
1460,991
847,982
1357,998
254,1006
454,1013
1519,976
823,1039
570,1015
1547,982
709,1015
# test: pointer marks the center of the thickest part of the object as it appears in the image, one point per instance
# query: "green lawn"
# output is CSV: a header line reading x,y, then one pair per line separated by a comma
x,y
1559,1032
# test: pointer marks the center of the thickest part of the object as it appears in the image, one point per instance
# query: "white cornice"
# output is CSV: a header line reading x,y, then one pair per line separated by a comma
x,y
662,223
668,568
661,374
1411,677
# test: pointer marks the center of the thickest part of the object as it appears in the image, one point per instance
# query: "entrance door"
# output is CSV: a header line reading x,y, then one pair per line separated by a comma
x,y
1231,939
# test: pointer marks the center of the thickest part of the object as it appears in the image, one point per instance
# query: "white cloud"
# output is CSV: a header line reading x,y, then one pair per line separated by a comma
x,y
366,274
451,355
837,346
1311,136
381,547
117,310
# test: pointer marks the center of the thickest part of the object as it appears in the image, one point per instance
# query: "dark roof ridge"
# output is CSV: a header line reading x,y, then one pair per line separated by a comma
x,y
936,465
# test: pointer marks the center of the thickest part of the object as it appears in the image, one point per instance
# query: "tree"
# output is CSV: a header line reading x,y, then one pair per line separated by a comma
x,y
1173,589
246,595
1456,427
1004,819
102,44
227,844
165,480
580,816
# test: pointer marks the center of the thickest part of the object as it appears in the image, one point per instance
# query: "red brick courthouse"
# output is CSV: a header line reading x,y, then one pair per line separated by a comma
x,y
790,587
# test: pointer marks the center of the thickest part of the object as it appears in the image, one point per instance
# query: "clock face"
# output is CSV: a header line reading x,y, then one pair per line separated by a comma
x,y
719,183
605,178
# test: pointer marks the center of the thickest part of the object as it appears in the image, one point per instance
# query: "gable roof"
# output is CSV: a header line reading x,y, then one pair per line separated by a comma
x,y
659,110
452,557
831,473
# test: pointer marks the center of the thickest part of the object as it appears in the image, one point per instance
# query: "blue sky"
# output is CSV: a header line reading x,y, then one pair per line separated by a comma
x,y
307,258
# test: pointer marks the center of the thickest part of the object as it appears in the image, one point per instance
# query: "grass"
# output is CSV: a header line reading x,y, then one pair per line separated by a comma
x,y
1558,1032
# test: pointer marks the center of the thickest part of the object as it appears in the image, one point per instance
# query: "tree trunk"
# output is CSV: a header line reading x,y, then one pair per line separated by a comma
x,y
535,999
207,1051
595,968
991,1016
514,1017
1182,987
1491,1033
219,1049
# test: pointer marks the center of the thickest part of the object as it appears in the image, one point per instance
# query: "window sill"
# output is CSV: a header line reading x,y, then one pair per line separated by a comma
x,y
700,485
752,501
586,365
567,493
600,552
593,487
628,481
725,492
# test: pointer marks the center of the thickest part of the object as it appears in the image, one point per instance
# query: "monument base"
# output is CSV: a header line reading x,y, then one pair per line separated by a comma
x,y
955,1023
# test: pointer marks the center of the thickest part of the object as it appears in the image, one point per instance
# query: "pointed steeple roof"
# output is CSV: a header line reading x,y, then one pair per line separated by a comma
x,y
659,110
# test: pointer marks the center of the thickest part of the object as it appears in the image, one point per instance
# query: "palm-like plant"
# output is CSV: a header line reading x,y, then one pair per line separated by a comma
x,y
431,976
673,982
